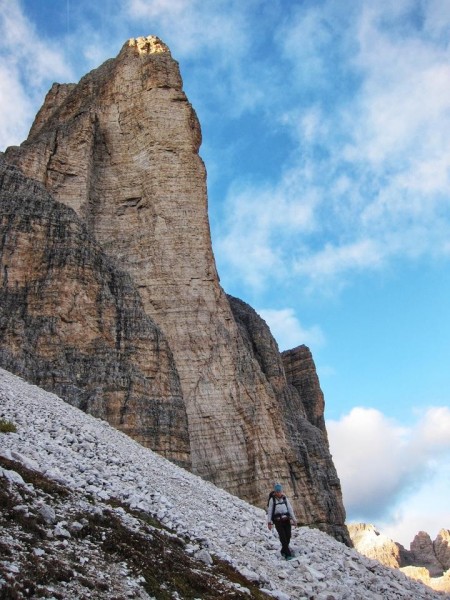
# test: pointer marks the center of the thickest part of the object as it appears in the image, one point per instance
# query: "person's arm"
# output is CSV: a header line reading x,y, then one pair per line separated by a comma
x,y
269,514
291,512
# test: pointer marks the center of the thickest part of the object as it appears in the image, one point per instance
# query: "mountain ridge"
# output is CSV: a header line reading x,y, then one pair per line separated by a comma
x,y
426,560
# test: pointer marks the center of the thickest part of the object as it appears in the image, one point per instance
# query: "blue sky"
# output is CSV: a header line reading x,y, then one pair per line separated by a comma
x,y
326,128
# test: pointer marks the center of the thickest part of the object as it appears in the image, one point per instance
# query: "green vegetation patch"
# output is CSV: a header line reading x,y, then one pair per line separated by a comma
x,y
7,426
150,551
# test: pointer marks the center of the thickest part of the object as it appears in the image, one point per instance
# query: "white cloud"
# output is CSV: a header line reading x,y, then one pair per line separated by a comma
x,y
360,254
368,451
427,510
433,430
389,472
401,115
307,40
400,128
28,66
35,59
15,108
288,331
257,235
160,8
371,123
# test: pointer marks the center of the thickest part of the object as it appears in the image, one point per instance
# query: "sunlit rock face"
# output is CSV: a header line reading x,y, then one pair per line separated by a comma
x,y
372,543
121,149
425,561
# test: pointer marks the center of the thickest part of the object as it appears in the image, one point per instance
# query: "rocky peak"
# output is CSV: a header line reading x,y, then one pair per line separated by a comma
x,y
426,561
424,551
148,45
301,373
368,540
441,546
121,148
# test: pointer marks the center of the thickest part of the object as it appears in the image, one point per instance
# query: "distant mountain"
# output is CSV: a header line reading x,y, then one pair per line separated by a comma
x,y
110,295
426,560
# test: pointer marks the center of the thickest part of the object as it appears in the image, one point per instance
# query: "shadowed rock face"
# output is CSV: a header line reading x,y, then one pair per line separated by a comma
x,y
72,323
292,375
301,373
435,556
441,547
121,149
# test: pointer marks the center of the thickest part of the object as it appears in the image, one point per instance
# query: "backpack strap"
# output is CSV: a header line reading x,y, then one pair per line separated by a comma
x,y
284,501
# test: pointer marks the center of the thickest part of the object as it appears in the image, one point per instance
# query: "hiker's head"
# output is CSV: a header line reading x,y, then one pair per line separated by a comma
x,y
278,489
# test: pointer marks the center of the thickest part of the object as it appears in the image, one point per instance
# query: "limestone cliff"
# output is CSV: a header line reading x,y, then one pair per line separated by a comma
x,y
368,540
293,378
301,373
72,323
423,552
121,149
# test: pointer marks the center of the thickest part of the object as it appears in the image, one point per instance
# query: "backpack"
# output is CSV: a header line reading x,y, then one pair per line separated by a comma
x,y
272,495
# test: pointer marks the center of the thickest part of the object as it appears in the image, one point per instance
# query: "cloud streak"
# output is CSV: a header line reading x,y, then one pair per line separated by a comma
x,y
368,111
289,332
27,64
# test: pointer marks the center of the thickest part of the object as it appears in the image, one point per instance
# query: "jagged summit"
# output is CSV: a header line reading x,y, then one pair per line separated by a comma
x,y
426,560
148,45
121,148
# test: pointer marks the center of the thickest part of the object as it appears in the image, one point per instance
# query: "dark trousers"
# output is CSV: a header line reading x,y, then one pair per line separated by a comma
x,y
284,532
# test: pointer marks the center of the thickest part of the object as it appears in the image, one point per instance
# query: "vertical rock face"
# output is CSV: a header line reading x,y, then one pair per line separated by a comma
x,y
301,373
121,149
72,323
292,376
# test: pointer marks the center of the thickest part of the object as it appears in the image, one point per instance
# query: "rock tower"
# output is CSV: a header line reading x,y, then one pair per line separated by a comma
x,y
121,149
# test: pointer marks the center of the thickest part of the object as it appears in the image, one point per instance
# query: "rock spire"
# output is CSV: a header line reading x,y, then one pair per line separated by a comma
x,y
121,148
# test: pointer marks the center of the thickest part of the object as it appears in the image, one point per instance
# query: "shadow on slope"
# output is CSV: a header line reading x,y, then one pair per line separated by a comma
x,y
59,543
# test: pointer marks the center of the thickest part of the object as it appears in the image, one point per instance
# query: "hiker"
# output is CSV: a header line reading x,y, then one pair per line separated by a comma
x,y
281,514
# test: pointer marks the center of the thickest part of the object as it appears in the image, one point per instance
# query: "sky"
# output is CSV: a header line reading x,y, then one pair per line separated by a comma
x,y
326,128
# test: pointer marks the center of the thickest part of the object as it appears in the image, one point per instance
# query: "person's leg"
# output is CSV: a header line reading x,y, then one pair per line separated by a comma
x,y
288,532
280,531
284,533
